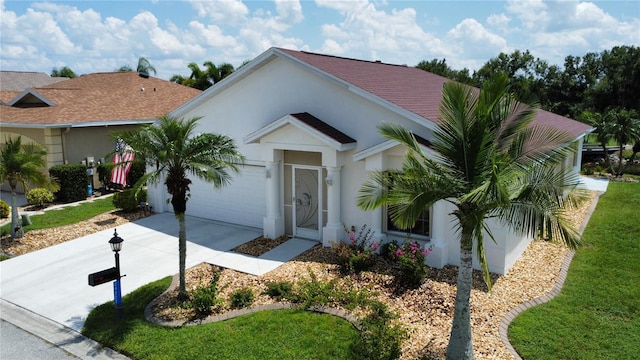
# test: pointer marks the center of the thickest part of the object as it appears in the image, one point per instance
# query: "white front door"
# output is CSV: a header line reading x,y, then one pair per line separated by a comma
x,y
307,193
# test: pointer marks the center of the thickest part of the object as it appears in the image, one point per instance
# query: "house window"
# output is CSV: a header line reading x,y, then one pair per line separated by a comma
x,y
421,227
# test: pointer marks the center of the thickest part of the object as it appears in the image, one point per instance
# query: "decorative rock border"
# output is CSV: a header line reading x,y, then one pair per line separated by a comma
x,y
562,276
148,311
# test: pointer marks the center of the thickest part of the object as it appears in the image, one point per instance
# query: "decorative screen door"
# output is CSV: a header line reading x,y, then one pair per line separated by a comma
x,y
306,195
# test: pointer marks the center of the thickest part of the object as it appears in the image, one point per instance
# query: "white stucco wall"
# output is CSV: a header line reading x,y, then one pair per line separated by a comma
x,y
279,88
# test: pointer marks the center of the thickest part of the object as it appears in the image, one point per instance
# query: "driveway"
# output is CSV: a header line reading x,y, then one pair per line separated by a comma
x,y
53,282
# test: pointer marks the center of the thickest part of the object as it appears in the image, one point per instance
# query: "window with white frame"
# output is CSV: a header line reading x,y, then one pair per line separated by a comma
x,y
420,228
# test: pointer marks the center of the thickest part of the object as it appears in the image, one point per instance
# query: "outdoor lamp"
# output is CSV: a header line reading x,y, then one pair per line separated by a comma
x,y
116,242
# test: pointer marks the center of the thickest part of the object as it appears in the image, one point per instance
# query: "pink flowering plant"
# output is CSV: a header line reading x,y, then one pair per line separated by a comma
x,y
356,254
410,259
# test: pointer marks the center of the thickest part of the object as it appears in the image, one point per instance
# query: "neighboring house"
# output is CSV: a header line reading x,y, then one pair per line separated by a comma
x,y
308,126
73,118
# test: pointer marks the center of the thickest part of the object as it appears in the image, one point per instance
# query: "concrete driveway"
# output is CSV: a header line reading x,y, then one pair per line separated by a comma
x,y
53,282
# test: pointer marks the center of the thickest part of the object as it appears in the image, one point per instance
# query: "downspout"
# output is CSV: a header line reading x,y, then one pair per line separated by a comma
x,y
64,144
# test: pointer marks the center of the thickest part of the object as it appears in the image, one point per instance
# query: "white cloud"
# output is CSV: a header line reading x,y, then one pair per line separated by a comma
x,y
365,31
474,43
499,21
532,13
560,28
221,11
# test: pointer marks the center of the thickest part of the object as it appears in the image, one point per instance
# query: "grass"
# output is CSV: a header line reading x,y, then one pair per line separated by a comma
x,y
71,215
597,314
277,334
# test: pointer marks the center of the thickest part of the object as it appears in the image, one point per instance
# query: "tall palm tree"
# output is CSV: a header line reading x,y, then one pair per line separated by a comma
x,y
174,152
24,165
490,163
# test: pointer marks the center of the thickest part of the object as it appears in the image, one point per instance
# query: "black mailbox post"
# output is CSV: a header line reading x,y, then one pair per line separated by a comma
x,y
112,274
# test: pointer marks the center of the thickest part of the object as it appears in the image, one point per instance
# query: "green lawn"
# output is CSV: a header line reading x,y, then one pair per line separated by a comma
x,y
277,334
597,314
71,215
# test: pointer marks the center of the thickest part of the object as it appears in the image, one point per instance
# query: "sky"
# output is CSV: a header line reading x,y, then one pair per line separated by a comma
x,y
102,36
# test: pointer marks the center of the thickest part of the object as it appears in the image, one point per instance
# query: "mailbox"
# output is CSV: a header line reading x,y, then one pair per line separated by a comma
x,y
103,276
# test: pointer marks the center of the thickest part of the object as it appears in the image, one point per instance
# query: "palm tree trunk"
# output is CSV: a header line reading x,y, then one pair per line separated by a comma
x,y
182,249
607,161
620,159
16,226
460,343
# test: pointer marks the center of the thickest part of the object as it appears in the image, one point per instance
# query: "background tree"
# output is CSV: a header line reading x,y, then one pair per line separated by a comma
x,y
23,165
441,68
124,68
625,129
144,66
491,163
603,132
204,79
65,71
172,149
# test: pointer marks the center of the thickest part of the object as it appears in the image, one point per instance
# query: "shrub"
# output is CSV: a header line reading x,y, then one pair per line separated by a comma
x,y
104,173
73,182
127,200
242,298
5,209
204,299
313,292
379,338
39,196
356,255
279,289
410,259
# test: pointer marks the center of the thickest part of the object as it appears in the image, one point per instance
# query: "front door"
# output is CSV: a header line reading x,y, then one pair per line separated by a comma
x,y
306,195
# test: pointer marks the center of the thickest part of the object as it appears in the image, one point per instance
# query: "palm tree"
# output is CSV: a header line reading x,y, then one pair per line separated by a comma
x,y
490,163
217,73
144,66
624,128
604,132
172,149
24,165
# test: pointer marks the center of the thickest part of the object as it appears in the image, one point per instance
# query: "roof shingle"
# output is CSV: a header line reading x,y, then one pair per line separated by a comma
x,y
102,97
410,88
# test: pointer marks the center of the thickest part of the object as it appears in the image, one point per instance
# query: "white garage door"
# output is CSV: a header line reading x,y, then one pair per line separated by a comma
x,y
241,202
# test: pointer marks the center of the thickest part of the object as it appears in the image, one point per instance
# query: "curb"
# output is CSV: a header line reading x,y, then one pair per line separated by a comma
x,y
503,329
57,334
148,311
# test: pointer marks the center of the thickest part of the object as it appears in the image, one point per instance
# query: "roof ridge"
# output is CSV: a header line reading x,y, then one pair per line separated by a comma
x,y
347,58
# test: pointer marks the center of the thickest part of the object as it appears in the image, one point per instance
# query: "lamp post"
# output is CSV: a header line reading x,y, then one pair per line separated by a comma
x,y
116,246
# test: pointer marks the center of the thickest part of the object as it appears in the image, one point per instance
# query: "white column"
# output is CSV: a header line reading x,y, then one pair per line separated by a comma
x,y
273,223
334,230
439,232
376,226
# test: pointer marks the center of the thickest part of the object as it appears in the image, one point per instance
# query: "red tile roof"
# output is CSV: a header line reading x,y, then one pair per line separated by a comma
x,y
100,98
408,87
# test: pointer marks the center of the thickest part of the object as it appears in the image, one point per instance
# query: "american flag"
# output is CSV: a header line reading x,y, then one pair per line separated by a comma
x,y
122,160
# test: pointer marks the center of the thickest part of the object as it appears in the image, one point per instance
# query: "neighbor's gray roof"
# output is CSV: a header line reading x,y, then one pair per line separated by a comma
x,y
21,80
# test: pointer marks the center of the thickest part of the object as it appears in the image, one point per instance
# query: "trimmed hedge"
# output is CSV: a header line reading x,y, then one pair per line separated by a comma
x,y
127,199
73,182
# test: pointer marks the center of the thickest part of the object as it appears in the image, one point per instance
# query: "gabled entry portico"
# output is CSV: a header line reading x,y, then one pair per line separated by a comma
x,y
303,161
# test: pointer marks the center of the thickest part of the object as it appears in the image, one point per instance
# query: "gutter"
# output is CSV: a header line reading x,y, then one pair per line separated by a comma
x,y
79,124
